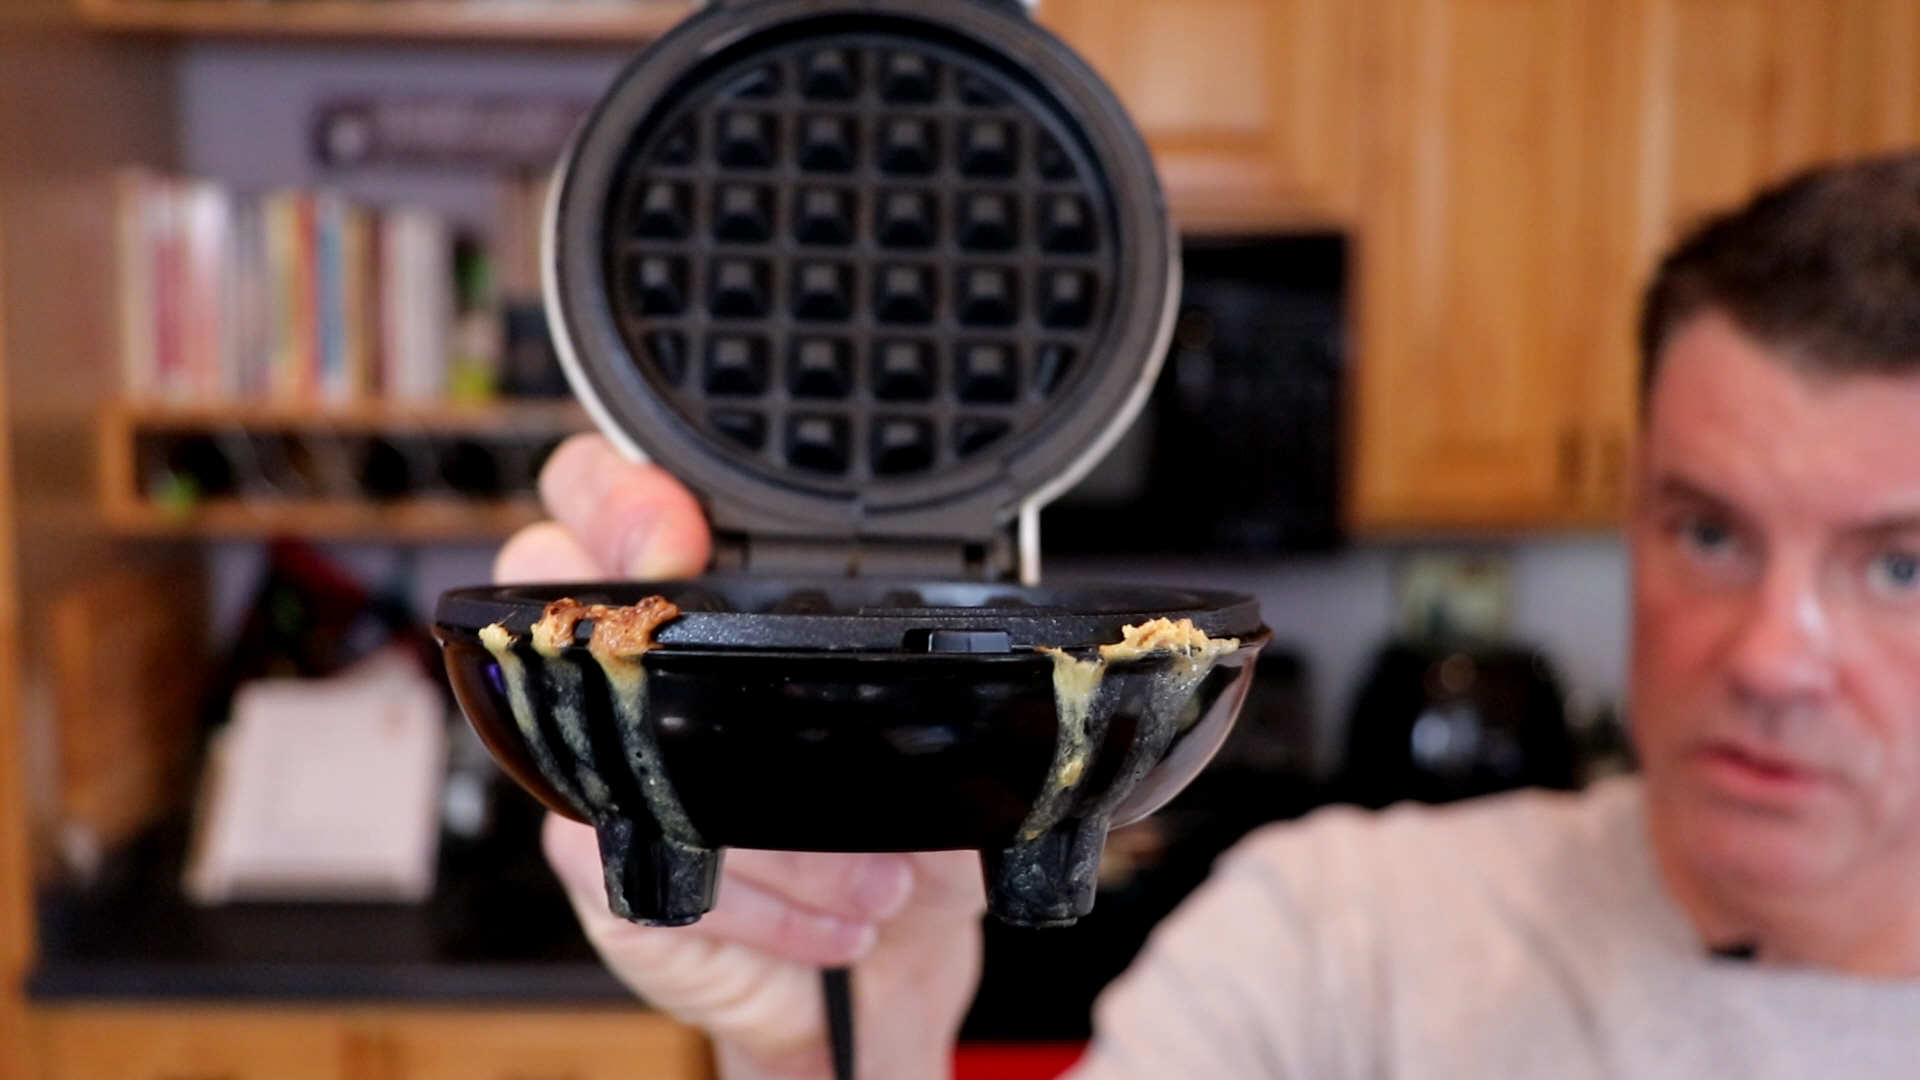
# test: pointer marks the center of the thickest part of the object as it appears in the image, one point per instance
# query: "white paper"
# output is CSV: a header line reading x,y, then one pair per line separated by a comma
x,y
325,790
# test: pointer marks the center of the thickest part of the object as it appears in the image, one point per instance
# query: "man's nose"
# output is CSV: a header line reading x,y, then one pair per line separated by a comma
x,y
1784,645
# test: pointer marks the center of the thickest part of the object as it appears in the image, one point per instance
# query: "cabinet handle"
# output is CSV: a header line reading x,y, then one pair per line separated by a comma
x,y
1573,461
1613,462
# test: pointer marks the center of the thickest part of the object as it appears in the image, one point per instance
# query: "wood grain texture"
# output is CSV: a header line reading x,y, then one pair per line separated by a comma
x,y
602,1045
129,665
1528,162
207,1043
1250,106
237,1042
71,107
1474,296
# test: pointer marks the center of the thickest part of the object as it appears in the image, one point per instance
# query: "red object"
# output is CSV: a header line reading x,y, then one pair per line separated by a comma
x,y
1015,1060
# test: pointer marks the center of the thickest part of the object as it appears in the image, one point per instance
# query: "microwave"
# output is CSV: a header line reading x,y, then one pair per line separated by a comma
x,y
1237,450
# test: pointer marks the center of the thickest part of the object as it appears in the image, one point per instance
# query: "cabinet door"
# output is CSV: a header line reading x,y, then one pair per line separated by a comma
x,y
97,1043
1492,308
625,1044
1715,98
1249,105
1743,92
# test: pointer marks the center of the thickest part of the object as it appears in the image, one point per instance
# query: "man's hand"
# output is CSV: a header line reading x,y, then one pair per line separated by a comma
x,y
612,518
748,972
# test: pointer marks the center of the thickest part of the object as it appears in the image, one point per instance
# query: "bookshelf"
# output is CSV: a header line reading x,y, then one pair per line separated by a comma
x,y
555,21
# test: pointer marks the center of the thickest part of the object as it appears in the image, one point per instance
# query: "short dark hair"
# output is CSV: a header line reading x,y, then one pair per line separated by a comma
x,y
1824,266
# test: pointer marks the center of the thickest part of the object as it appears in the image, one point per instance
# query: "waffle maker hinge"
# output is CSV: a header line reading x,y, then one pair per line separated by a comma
x,y
996,558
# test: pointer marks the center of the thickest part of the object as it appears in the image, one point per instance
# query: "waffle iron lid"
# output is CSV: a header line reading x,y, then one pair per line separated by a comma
x,y
877,268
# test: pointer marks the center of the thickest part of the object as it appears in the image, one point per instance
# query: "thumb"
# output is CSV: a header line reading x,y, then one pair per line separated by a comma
x,y
632,518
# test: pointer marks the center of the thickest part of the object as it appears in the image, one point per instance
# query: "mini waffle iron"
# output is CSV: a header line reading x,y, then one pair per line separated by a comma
x,y
877,279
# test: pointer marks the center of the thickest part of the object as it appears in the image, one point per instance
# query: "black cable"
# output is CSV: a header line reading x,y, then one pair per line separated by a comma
x,y
838,984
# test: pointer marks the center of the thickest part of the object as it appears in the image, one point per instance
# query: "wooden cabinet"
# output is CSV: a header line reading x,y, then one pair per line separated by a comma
x,y
1489,321
1738,93
1527,163
609,1045
233,1042
1250,106
71,106
191,1044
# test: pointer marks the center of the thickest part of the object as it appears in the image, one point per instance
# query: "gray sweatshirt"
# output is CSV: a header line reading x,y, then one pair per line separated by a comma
x,y
1524,935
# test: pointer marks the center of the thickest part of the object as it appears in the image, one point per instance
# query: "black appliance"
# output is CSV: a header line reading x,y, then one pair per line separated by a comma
x,y
1241,438
1442,720
877,280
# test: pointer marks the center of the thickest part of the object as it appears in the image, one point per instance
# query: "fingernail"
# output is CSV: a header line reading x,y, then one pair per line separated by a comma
x,y
659,556
649,558
882,884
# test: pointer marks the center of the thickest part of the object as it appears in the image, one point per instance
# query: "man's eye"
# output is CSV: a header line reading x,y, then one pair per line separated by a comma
x,y
1895,571
1707,535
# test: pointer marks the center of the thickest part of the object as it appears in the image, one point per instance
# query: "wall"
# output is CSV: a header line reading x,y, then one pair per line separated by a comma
x,y
245,117
245,108
1569,598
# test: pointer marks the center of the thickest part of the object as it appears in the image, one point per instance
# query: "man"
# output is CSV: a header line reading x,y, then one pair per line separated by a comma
x,y
1749,906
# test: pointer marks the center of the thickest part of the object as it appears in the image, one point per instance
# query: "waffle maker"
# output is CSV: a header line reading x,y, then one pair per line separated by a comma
x,y
877,279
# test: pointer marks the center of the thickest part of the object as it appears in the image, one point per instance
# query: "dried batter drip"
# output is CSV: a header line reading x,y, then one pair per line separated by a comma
x,y
499,641
1076,683
1181,638
620,636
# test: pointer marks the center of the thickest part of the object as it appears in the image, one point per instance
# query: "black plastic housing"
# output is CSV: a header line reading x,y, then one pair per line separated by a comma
x,y
870,741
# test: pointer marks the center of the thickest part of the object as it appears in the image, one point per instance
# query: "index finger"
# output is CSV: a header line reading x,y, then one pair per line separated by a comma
x,y
634,519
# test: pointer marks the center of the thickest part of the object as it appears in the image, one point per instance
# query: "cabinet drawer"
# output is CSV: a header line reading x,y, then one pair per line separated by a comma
x,y
599,1044
105,1043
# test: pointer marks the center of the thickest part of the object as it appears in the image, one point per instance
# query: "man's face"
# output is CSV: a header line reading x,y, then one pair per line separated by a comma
x,y
1776,682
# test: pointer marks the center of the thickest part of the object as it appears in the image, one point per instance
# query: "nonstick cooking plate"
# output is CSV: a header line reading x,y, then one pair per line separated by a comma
x,y
869,277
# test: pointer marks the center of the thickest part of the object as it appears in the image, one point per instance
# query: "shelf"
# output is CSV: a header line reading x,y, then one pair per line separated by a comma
x,y
416,473
612,21
559,416
329,519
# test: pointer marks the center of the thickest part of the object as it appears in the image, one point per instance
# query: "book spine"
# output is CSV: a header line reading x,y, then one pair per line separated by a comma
x,y
360,324
290,295
134,192
290,228
204,225
418,299
253,308
333,379
163,228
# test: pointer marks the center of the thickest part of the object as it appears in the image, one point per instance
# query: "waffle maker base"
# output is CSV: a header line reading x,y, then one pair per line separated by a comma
x,y
852,715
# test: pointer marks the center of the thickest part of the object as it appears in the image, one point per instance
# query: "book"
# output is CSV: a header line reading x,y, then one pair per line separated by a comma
x,y
292,295
416,280
135,191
